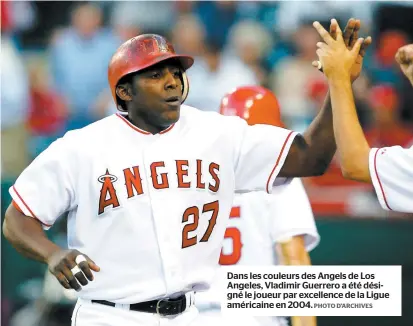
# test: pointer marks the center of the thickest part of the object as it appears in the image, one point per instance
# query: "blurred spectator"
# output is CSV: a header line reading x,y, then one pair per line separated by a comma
x,y
79,60
184,7
149,16
188,35
14,110
218,17
318,88
14,106
383,69
48,110
292,79
17,16
291,13
260,11
6,16
317,91
386,128
251,42
124,28
361,89
215,74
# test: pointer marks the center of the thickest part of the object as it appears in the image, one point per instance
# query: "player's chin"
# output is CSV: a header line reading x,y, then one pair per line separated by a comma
x,y
171,115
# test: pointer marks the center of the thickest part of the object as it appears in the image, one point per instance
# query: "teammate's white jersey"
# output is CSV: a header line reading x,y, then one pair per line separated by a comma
x,y
391,170
258,221
150,210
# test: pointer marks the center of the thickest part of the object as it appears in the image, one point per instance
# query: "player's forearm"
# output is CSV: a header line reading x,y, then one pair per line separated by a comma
x,y
293,252
27,236
353,149
311,154
320,140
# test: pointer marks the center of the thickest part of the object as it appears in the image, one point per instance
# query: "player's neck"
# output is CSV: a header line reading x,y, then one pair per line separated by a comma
x,y
143,124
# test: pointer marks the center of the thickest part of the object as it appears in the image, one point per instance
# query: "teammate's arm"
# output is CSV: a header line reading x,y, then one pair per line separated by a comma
x,y
312,153
293,252
353,148
27,236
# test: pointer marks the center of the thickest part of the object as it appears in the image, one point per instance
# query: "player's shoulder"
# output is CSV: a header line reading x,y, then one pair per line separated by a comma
x,y
395,152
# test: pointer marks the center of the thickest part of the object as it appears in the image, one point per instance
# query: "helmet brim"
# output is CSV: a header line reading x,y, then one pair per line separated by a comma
x,y
185,61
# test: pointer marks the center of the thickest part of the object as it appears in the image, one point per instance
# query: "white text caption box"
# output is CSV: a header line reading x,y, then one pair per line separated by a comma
x,y
311,290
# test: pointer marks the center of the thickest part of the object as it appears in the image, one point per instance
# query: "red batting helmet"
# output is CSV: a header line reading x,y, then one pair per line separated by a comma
x,y
142,52
255,104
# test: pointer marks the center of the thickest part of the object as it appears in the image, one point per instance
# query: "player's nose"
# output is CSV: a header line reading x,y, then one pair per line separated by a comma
x,y
170,80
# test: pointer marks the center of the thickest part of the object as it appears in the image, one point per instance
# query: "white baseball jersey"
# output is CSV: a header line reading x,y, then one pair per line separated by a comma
x,y
391,170
259,220
150,210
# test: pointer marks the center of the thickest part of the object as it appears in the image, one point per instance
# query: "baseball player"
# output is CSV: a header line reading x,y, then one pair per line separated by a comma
x,y
261,224
389,169
148,191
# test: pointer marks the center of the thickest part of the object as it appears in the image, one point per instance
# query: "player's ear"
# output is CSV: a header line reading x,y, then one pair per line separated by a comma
x,y
124,91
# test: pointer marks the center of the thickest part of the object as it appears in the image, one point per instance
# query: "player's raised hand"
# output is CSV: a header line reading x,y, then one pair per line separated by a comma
x,y
71,267
350,36
404,58
340,52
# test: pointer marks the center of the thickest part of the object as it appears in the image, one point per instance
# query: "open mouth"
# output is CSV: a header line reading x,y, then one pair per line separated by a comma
x,y
173,100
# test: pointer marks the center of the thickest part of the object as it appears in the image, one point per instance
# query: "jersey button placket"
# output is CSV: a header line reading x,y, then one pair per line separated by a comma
x,y
158,214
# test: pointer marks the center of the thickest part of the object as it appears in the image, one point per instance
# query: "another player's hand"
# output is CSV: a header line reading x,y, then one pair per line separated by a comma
x,y
62,262
350,36
336,59
404,58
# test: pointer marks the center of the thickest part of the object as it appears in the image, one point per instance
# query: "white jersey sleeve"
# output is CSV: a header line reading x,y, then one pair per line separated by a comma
x,y
44,190
261,152
391,170
292,215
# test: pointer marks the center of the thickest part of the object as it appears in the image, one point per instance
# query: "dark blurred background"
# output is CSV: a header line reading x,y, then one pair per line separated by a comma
x,y
54,58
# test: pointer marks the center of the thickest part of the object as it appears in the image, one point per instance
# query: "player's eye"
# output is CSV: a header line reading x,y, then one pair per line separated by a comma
x,y
177,74
155,75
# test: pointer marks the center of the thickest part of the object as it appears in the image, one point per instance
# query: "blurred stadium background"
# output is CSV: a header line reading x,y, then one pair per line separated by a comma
x,y
54,57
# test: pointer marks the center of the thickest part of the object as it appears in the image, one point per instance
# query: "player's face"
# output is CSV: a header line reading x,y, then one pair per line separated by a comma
x,y
157,94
